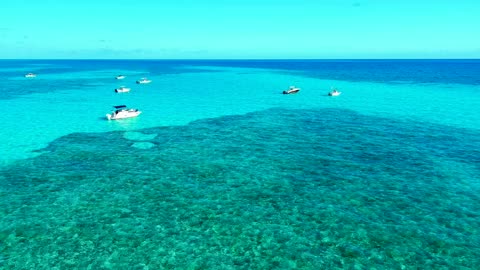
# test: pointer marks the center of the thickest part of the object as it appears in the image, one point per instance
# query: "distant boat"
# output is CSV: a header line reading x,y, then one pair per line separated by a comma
x,y
122,89
334,93
30,75
291,90
120,77
144,81
121,112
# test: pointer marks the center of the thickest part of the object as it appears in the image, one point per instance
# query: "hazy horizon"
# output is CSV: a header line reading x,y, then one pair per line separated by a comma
x,y
239,59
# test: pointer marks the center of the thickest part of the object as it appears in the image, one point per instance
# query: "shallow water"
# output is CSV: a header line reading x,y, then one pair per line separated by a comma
x,y
76,99
276,188
217,174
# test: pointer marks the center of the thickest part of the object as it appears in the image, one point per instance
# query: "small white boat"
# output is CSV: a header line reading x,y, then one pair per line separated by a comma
x,y
30,75
120,77
122,112
144,81
122,89
334,93
291,90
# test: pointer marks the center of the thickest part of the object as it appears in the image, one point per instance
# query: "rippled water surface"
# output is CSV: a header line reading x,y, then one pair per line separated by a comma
x,y
217,174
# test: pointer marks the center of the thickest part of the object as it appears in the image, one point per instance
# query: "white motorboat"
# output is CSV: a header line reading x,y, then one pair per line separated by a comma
x,y
30,75
122,112
334,93
291,90
120,77
144,81
122,89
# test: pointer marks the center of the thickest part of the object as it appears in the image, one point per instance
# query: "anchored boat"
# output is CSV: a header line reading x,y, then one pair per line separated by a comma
x,y
144,81
334,93
122,89
291,90
121,112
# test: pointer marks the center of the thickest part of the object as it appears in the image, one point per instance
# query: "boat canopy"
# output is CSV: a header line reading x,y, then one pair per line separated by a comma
x,y
120,106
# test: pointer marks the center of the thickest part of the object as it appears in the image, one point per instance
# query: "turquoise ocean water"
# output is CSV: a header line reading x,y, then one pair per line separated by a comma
x,y
222,171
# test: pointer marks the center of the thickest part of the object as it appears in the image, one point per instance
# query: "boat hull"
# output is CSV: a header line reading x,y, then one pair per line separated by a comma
x,y
290,92
123,115
122,90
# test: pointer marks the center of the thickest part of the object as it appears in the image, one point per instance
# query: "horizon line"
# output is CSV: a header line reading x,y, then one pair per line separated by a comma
x,y
230,59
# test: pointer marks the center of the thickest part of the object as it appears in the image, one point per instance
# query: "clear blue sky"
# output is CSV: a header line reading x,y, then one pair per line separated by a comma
x,y
240,29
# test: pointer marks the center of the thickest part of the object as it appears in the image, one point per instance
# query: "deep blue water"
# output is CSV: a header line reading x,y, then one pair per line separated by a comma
x,y
386,71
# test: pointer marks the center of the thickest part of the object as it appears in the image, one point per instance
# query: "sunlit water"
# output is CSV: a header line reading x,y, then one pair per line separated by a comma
x,y
223,171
